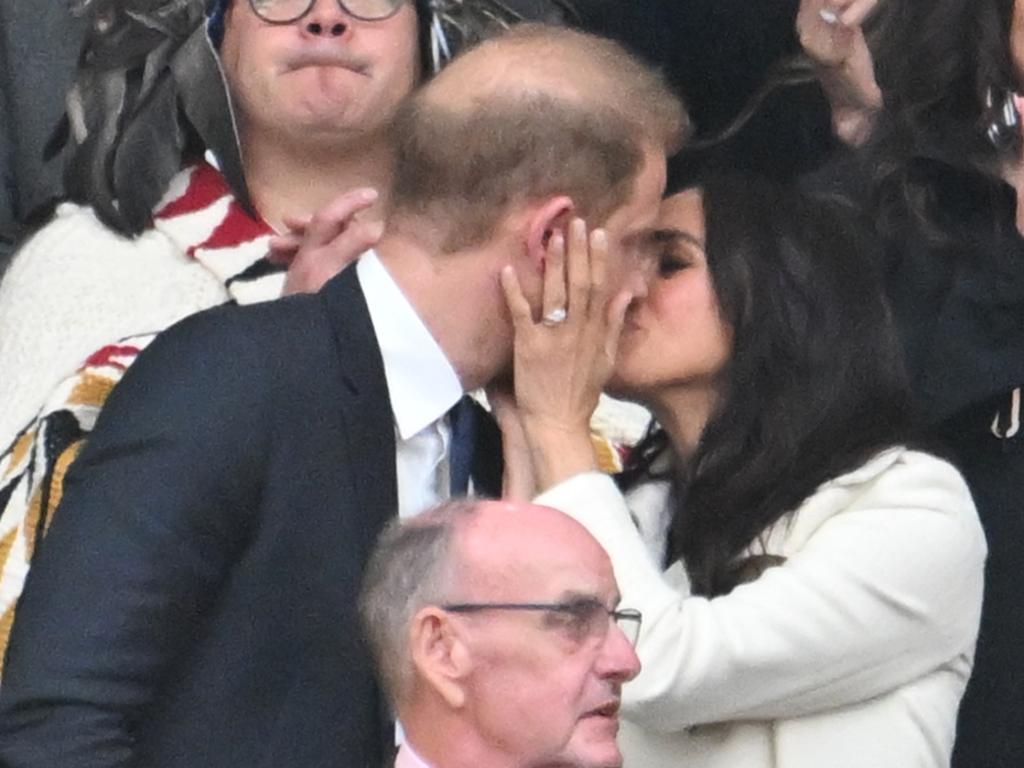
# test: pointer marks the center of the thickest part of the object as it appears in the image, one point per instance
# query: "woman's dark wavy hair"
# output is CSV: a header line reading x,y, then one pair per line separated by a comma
x,y
936,62
815,384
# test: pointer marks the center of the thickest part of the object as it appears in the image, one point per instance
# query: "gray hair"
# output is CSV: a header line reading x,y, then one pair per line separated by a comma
x,y
410,568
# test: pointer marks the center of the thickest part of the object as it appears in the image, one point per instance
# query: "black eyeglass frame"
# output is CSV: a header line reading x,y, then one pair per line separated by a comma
x,y
573,608
341,4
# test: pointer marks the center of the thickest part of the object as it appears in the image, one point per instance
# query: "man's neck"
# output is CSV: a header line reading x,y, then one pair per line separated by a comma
x,y
444,739
457,297
289,181
454,753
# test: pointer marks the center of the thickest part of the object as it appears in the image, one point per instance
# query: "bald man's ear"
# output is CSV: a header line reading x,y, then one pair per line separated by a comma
x,y
550,217
439,655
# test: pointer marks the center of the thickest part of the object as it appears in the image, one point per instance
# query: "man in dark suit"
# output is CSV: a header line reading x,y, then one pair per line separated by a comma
x,y
194,601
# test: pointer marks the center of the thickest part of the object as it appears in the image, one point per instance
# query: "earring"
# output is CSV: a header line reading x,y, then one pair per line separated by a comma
x,y
1003,128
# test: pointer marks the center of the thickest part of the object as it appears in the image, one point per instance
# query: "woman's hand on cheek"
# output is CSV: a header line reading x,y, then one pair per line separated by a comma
x,y
562,361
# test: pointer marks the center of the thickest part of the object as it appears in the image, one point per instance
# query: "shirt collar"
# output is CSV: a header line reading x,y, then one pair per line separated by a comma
x,y
407,758
421,382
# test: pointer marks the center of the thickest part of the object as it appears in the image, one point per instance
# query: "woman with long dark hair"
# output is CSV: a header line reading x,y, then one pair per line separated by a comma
x,y
810,585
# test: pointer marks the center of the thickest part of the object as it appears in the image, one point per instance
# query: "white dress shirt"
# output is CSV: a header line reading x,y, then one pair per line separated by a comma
x,y
422,385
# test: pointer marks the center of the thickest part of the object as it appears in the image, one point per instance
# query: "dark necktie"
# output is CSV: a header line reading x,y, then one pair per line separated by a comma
x,y
463,419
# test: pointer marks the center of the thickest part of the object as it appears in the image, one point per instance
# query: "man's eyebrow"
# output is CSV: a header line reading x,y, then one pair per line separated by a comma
x,y
671,235
574,596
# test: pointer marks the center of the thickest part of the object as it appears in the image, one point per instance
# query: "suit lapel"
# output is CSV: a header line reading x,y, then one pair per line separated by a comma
x,y
366,402
366,407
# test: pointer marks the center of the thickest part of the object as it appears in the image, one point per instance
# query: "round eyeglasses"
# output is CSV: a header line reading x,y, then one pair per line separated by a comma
x,y
585,618
288,11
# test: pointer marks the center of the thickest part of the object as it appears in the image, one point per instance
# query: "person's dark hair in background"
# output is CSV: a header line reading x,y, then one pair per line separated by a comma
x,y
814,386
943,178
964,47
719,54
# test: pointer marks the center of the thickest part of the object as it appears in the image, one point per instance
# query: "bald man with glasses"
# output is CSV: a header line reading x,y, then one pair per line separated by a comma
x,y
499,638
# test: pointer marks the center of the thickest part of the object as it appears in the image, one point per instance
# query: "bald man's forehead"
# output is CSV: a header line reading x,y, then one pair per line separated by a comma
x,y
530,553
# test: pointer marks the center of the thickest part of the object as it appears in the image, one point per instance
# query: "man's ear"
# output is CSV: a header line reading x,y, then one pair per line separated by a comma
x,y
439,655
550,217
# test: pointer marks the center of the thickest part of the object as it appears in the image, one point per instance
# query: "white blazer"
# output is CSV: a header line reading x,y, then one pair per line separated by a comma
x,y
853,654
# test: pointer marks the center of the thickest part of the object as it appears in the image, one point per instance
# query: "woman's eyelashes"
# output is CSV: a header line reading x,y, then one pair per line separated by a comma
x,y
671,261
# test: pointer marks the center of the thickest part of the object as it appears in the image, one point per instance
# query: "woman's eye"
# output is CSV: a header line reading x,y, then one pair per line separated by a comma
x,y
670,263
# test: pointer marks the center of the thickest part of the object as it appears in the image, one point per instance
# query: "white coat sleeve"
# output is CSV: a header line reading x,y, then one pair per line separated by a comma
x,y
882,591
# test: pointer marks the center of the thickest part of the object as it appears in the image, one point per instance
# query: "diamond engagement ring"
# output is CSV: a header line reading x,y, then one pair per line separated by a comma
x,y
555,317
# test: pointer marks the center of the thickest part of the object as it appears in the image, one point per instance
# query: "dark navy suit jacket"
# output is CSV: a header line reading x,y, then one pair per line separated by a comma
x,y
194,603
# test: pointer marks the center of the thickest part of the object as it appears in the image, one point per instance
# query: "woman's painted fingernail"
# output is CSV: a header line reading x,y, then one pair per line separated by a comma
x,y
829,16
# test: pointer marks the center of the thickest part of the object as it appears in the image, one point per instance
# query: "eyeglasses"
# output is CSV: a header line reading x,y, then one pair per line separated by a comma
x,y
287,11
582,619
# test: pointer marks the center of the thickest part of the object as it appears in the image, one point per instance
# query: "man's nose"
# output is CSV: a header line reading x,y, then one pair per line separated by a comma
x,y
618,660
326,19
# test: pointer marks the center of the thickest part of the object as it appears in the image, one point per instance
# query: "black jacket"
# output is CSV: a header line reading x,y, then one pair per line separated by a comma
x,y
194,603
955,281
958,296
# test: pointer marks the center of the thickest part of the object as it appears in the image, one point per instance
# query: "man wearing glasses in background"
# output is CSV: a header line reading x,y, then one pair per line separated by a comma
x,y
499,638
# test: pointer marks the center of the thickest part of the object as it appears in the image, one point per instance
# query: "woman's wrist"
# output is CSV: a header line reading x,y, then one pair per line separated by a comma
x,y
559,451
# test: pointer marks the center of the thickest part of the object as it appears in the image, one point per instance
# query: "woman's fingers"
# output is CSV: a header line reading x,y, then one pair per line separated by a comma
x,y
578,270
823,34
312,266
518,306
617,309
857,11
331,220
554,303
282,248
598,247
296,223
320,246
574,290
